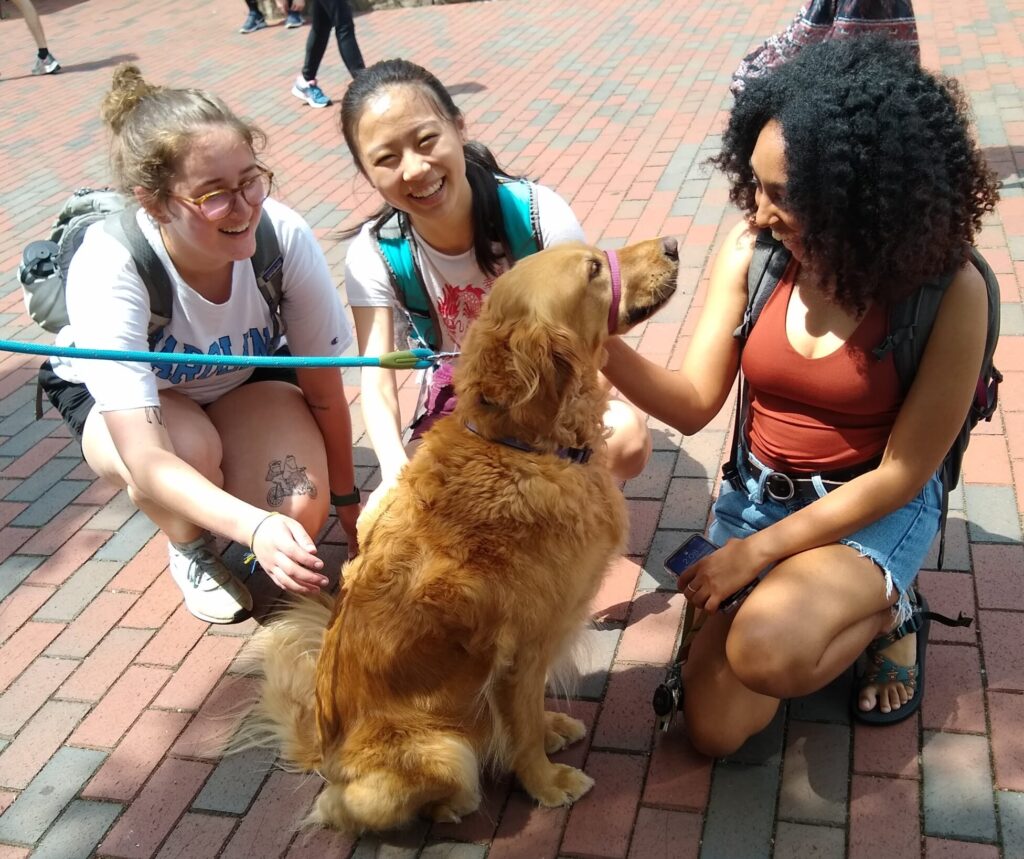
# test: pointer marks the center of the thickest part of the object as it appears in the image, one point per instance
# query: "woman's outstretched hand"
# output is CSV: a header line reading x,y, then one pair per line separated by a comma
x,y
288,555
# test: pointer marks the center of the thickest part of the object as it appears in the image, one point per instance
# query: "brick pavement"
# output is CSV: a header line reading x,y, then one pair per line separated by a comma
x,y
112,698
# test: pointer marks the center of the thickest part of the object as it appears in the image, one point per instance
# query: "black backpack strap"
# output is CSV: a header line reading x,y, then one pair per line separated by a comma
x,y
910,325
767,266
124,227
268,266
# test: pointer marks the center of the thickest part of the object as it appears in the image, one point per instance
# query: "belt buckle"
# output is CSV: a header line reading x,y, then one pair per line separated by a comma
x,y
784,489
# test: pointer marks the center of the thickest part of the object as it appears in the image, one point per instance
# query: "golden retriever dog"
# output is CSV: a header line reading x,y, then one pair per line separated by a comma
x,y
476,572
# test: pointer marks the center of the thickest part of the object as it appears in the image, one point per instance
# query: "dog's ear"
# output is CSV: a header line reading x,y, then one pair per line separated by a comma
x,y
527,369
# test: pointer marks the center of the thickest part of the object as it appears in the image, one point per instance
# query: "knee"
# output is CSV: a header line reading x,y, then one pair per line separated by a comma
x,y
711,735
200,446
629,445
761,655
309,511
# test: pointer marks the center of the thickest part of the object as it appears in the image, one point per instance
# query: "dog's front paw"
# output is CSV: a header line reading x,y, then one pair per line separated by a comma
x,y
560,731
560,785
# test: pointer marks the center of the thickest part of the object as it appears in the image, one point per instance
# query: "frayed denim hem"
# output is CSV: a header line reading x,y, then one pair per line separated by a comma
x,y
902,608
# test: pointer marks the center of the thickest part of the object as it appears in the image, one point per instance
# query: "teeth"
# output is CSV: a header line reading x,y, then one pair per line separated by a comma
x,y
236,231
433,189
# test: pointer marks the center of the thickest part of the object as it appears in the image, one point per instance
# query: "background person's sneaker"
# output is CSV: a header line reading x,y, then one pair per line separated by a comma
x,y
211,592
46,65
254,21
309,92
293,20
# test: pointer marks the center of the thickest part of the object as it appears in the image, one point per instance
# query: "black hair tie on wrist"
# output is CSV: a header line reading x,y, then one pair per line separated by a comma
x,y
353,497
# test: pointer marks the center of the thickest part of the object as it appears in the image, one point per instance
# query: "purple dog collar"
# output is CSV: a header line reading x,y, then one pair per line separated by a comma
x,y
613,311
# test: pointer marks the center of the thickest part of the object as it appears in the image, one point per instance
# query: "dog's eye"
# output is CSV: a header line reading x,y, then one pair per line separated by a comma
x,y
595,268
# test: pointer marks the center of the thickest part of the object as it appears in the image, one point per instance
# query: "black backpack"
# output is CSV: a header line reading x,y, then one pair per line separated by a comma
x,y
910,323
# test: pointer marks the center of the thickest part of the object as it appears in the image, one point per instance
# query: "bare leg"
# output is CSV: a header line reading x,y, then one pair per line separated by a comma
x,y
235,443
629,445
35,26
194,440
274,454
801,627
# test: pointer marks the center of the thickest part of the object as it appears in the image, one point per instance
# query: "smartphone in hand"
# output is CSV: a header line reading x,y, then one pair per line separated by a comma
x,y
691,551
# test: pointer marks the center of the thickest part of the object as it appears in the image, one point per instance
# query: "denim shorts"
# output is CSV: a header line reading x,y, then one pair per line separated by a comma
x,y
898,543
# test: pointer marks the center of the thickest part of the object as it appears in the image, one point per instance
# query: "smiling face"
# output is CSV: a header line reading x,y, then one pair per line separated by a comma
x,y
218,158
768,161
412,154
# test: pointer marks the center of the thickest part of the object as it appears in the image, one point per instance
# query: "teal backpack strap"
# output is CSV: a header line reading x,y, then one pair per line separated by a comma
x,y
522,223
123,227
268,266
395,248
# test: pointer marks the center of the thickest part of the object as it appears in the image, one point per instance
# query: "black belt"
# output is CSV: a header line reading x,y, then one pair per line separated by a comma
x,y
785,487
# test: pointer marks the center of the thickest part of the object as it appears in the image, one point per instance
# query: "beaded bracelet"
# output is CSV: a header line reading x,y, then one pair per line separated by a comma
x,y
347,500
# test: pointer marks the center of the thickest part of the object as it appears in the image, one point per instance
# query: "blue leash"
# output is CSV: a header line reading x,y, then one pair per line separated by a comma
x,y
408,359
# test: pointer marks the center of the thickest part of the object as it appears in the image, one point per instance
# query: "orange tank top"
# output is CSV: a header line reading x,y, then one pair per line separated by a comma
x,y
818,414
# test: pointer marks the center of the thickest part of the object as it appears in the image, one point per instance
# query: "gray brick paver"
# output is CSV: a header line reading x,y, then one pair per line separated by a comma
x,y
1011,820
129,540
236,780
740,812
77,831
803,841
47,794
814,773
78,591
15,570
59,496
32,488
992,514
957,783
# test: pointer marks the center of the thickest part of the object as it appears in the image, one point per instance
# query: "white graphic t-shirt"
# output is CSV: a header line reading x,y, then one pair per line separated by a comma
x,y
109,309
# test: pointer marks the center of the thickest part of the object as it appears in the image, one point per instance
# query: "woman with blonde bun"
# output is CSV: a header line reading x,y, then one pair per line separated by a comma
x,y
249,454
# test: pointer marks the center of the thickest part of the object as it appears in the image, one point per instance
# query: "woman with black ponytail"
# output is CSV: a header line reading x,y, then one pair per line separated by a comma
x,y
453,219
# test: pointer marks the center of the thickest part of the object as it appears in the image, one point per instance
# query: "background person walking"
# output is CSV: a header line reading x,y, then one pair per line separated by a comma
x,y
325,14
46,63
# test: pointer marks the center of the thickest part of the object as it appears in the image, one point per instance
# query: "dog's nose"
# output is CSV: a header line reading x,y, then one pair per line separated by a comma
x,y
671,248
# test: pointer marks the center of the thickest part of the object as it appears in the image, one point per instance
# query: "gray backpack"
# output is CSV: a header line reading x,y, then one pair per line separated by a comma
x,y
44,267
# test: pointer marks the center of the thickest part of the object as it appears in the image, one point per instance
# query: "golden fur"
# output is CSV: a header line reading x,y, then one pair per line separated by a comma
x,y
476,573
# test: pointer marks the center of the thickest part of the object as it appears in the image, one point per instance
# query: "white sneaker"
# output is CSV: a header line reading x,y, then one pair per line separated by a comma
x,y
211,592
46,65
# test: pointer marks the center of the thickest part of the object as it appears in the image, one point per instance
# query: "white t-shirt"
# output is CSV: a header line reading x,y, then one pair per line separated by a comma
x,y
108,306
455,284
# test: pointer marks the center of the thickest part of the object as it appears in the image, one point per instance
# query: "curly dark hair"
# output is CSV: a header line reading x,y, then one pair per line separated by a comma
x,y
883,173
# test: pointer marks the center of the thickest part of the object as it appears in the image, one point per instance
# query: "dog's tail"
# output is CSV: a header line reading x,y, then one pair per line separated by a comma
x,y
285,653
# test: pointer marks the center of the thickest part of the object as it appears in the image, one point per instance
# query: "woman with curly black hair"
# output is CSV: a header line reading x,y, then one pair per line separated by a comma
x,y
862,166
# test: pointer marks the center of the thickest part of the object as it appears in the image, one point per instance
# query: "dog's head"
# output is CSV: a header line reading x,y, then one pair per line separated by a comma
x,y
529,366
